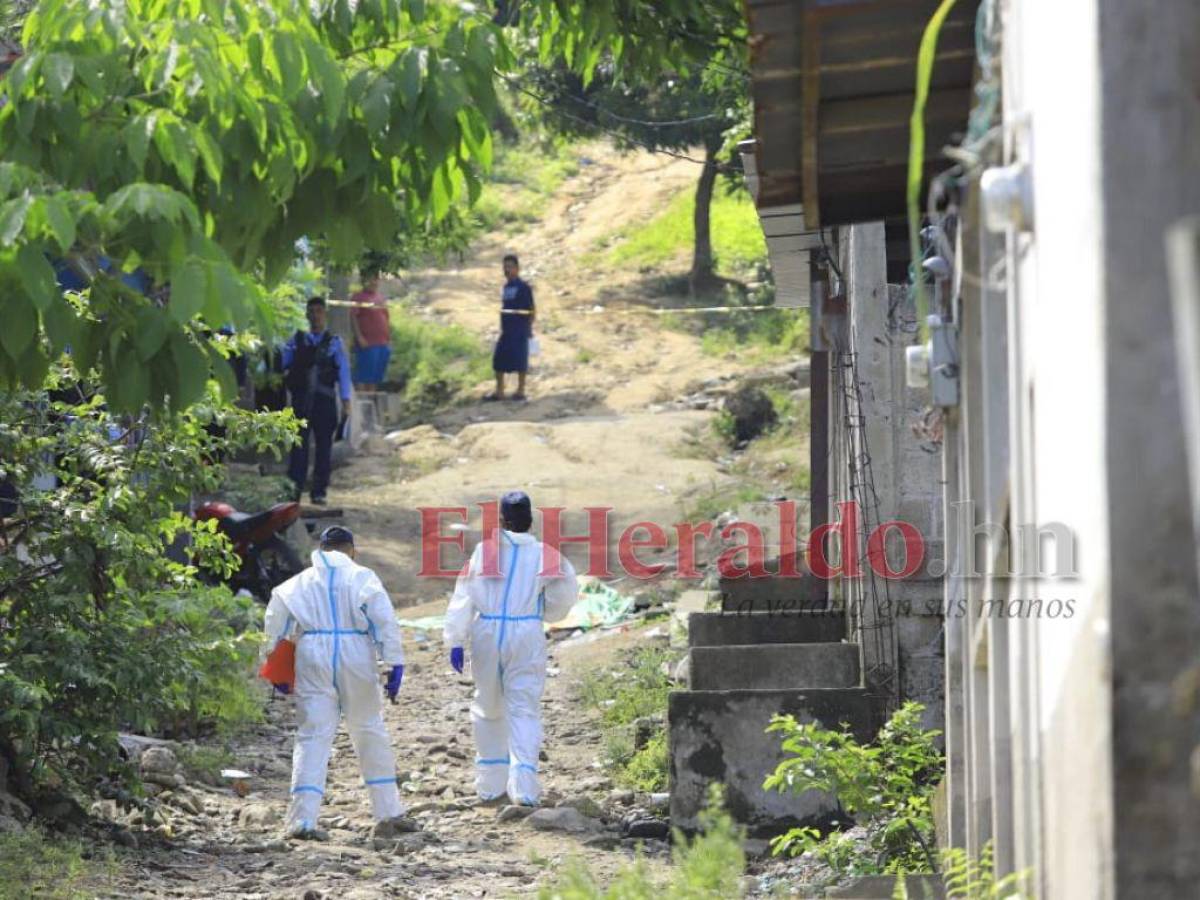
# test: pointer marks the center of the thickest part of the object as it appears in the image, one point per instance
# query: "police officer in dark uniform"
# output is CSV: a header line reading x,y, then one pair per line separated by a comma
x,y
317,374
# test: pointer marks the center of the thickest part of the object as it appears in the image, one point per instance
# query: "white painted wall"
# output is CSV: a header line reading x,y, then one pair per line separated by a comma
x,y
1058,469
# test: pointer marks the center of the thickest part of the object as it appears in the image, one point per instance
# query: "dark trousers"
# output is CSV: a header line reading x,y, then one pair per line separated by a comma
x,y
322,422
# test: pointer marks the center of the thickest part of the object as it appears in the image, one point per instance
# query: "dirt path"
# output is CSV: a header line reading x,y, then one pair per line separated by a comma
x,y
600,433
603,424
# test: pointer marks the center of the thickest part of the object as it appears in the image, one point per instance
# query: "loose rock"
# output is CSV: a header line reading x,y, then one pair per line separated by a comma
x,y
585,805
159,760
392,828
652,829
565,819
514,813
606,841
259,815
621,798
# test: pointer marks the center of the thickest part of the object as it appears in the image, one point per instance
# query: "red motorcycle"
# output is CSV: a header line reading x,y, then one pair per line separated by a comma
x,y
267,559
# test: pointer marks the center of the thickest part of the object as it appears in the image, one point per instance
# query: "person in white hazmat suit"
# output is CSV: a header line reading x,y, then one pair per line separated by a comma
x,y
340,618
500,616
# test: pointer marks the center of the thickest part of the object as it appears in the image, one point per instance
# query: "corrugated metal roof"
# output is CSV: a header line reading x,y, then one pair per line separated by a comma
x,y
788,243
833,84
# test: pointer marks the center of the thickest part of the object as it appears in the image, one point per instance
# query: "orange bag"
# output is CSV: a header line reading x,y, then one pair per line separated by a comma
x,y
280,667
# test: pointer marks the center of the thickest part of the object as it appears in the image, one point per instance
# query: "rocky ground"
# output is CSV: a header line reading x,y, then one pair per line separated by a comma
x,y
224,839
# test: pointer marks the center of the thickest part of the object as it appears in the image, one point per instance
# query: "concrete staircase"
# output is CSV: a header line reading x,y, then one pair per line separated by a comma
x,y
744,667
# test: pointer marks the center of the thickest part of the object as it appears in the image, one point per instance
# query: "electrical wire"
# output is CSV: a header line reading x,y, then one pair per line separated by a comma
x,y
645,123
550,105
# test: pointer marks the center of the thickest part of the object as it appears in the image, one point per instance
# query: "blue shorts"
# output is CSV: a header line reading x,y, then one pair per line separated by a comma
x,y
370,364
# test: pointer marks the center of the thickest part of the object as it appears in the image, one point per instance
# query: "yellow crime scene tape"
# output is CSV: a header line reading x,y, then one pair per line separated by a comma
x,y
662,311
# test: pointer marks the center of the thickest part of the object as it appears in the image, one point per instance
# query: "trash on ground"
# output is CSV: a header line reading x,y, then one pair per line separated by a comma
x,y
599,606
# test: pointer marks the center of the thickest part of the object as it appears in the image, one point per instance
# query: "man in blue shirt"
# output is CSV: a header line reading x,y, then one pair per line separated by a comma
x,y
316,373
517,315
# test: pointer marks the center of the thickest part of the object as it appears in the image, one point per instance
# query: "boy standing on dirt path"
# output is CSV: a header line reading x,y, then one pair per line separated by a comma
x,y
517,315
372,334
338,615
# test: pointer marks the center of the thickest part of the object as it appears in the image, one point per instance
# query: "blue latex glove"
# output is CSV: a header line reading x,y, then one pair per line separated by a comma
x,y
393,683
456,659
283,688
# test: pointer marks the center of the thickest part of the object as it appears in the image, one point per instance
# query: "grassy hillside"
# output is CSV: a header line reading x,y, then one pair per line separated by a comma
x,y
665,242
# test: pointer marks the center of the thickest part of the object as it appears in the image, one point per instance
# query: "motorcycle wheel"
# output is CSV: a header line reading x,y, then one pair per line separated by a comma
x,y
277,562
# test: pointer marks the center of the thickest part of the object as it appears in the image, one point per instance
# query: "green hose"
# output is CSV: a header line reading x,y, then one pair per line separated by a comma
x,y
916,156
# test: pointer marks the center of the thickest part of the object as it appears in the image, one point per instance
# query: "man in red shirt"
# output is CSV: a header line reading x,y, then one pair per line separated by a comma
x,y
372,334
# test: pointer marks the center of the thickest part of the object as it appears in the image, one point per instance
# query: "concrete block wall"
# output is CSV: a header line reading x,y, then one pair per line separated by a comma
x,y
906,468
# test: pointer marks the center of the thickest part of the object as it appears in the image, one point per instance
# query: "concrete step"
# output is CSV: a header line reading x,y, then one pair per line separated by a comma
x,y
719,737
773,594
774,667
720,629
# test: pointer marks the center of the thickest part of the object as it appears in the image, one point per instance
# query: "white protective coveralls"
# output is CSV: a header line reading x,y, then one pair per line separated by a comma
x,y
340,618
500,617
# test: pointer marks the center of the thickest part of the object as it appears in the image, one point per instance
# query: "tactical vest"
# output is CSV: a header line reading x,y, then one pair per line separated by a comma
x,y
313,368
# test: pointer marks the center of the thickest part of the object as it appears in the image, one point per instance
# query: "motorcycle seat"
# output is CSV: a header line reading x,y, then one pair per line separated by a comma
x,y
237,524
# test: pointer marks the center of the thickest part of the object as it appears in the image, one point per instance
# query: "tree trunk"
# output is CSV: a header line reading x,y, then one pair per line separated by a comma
x,y
338,317
702,256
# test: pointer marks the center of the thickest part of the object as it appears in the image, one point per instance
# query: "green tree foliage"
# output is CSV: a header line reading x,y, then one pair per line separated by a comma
x,y
886,785
99,629
642,38
198,139
698,95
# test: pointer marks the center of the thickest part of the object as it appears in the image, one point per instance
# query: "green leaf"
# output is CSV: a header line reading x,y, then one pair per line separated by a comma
x,y
290,61
37,276
137,137
210,153
480,51
224,374
224,295
412,69
439,195
416,11
345,239
178,149
60,221
60,323
191,372
131,383
152,327
377,104
378,221
253,115
32,366
19,324
477,136
474,186
328,80
189,287
12,218
58,69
